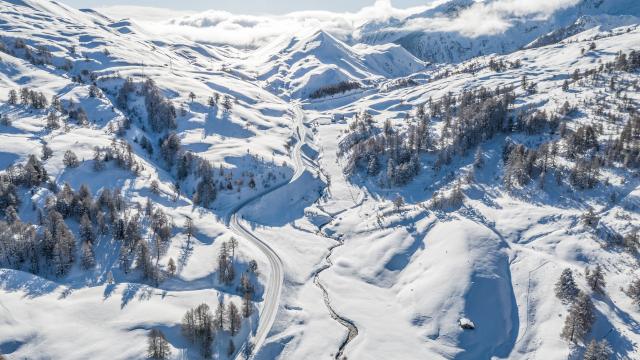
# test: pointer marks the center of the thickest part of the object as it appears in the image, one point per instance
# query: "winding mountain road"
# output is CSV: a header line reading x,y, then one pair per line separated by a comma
x,y
273,287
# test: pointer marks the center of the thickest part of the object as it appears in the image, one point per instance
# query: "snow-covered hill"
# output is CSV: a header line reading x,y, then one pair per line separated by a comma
x,y
349,200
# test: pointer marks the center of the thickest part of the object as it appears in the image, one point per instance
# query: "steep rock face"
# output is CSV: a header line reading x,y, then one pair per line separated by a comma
x,y
439,34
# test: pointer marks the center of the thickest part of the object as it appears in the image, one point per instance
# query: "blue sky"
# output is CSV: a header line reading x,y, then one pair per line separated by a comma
x,y
247,6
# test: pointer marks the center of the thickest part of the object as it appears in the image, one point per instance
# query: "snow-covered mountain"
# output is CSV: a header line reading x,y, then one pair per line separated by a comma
x,y
451,32
322,198
298,66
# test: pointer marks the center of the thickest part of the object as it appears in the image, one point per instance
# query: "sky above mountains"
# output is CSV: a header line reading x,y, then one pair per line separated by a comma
x,y
247,6
246,27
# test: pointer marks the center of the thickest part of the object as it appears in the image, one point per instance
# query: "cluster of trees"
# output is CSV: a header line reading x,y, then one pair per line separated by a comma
x,y
161,113
135,250
442,200
206,192
226,258
398,84
474,116
625,149
157,345
55,248
501,65
468,119
77,113
597,350
161,117
369,149
28,97
200,325
338,88
581,315
214,100
625,62
30,174
120,152
480,114
39,55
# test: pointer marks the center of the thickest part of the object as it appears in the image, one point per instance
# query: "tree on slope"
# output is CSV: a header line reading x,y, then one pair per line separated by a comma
x,y
158,347
597,350
88,258
566,289
188,227
219,319
13,99
234,319
578,322
70,159
198,328
86,229
595,279
634,291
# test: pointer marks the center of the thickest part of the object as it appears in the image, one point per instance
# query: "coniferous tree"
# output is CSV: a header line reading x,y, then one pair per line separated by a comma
x,y
247,305
634,291
219,319
52,121
47,152
595,279
566,288
88,260
86,229
579,320
234,319
13,97
226,103
597,350
188,228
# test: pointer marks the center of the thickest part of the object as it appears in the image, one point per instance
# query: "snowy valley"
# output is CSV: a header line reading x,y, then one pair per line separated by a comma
x,y
411,191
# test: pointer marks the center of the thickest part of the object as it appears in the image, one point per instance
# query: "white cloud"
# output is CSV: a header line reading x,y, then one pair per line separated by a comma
x,y
253,30
221,27
142,13
489,18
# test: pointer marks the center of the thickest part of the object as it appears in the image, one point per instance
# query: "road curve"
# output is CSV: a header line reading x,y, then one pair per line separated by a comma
x,y
273,287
